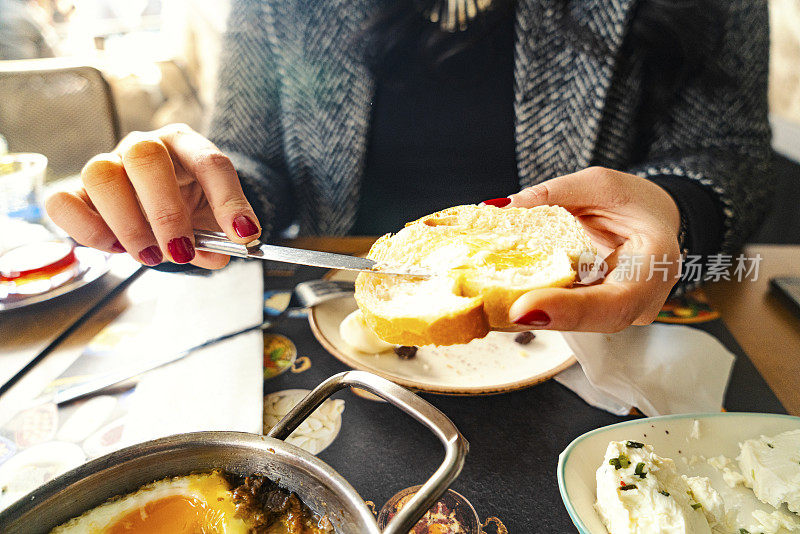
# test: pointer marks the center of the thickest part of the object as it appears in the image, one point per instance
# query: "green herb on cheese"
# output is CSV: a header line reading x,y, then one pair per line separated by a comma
x,y
640,470
620,462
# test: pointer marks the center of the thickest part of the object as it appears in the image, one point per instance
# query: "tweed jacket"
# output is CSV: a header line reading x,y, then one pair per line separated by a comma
x,y
294,101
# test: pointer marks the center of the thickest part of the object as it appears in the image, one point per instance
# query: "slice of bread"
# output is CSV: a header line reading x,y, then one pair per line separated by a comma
x,y
483,257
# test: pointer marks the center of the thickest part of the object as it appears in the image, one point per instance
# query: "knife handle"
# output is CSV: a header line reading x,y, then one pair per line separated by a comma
x,y
217,242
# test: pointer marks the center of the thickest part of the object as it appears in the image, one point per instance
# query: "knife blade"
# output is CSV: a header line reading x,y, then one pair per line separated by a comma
x,y
219,243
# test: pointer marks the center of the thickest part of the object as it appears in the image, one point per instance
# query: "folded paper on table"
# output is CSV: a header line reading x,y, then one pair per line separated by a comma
x,y
217,388
659,369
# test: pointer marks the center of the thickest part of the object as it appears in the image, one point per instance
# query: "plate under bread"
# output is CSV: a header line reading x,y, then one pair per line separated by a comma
x,y
487,366
672,436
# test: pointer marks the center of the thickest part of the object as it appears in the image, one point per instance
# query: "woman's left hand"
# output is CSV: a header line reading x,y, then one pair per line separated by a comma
x,y
632,218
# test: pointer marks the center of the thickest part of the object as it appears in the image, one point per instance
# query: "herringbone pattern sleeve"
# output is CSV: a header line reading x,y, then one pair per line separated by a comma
x,y
721,138
246,121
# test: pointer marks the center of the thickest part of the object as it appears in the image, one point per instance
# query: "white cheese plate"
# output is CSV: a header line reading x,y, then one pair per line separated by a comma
x,y
679,438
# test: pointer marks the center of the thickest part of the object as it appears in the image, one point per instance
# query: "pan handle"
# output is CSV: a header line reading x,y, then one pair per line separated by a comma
x,y
455,445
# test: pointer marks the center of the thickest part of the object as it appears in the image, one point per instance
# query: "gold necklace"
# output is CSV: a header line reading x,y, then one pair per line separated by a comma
x,y
452,15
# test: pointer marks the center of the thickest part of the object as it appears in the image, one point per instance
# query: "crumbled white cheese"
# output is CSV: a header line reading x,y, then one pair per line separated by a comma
x,y
771,466
712,504
660,503
733,478
771,523
719,462
730,474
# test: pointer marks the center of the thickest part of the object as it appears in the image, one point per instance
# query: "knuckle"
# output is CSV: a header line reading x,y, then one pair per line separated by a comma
x,y
211,161
541,191
534,195
93,236
603,175
129,235
234,203
597,170
145,150
132,233
606,177
167,216
101,171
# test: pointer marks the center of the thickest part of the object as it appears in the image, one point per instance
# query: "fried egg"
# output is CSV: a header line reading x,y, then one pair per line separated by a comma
x,y
192,504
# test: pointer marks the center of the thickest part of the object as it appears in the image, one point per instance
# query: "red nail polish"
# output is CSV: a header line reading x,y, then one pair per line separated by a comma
x,y
498,202
181,250
151,256
244,227
117,247
533,318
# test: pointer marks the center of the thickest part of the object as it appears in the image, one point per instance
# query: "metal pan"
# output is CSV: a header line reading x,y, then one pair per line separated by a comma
x,y
317,484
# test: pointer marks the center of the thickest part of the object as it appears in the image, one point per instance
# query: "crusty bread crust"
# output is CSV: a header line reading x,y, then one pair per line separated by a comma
x,y
488,300
461,327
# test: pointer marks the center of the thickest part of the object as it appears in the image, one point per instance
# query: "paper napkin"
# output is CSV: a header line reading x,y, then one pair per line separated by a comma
x,y
659,369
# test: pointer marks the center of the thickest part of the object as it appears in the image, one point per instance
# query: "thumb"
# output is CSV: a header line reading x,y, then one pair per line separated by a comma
x,y
632,293
574,192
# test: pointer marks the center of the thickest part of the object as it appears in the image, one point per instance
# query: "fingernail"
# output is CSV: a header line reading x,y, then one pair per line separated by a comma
x,y
244,227
533,318
117,247
181,250
151,256
498,202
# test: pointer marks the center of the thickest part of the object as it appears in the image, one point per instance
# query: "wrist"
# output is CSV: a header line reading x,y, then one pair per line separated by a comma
x,y
681,218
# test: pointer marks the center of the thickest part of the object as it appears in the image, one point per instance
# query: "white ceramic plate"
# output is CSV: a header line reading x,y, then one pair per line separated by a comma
x,y
494,364
719,433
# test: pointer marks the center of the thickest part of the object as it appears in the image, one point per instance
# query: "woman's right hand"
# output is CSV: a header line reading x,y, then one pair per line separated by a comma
x,y
150,192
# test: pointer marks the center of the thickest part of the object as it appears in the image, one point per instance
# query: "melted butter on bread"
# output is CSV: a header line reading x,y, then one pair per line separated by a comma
x,y
483,259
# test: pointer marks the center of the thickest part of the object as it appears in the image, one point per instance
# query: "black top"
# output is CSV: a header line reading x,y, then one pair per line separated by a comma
x,y
443,135
440,136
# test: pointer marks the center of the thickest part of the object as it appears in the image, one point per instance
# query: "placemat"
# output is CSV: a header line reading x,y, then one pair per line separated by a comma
x,y
515,438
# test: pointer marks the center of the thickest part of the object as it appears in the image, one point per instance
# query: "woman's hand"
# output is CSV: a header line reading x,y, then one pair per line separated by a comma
x,y
632,218
148,195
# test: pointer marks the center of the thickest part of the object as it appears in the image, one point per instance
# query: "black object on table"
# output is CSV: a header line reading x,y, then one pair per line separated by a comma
x,y
515,438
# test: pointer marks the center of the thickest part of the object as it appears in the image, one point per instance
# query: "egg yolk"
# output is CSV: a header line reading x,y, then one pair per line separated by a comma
x,y
177,514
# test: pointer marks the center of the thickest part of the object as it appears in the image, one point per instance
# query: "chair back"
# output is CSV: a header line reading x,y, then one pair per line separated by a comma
x,y
58,108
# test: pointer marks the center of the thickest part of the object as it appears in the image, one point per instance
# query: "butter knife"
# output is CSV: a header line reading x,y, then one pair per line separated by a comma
x,y
219,243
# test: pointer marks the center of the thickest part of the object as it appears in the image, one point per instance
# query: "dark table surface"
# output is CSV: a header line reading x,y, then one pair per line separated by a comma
x,y
515,438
